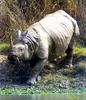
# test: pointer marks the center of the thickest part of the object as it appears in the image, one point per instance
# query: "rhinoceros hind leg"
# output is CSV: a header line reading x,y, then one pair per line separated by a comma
x,y
69,57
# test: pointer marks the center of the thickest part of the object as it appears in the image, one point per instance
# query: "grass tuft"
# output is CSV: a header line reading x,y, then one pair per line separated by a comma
x,y
4,47
80,51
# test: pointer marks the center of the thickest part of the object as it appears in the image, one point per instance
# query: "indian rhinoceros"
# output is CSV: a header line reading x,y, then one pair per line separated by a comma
x,y
53,35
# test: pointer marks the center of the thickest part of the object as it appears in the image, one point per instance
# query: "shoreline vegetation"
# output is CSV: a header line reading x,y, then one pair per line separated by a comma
x,y
29,91
50,82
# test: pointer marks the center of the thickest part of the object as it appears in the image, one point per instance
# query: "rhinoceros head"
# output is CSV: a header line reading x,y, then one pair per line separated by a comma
x,y
19,50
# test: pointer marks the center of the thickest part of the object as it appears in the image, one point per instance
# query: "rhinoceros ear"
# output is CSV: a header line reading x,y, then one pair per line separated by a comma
x,y
27,55
19,35
11,41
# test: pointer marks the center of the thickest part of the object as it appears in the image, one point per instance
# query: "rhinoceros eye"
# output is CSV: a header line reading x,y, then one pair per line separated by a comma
x,y
20,49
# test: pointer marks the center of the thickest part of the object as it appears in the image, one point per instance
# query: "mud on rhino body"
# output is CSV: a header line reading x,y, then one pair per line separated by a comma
x,y
54,34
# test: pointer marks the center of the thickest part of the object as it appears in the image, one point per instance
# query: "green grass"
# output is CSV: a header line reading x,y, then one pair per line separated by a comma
x,y
27,91
80,51
4,47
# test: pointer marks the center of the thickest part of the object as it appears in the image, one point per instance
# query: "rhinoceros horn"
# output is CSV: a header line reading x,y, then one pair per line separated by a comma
x,y
11,41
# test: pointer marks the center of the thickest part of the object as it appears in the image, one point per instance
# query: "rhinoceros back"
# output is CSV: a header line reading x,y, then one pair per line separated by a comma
x,y
60,29
55,31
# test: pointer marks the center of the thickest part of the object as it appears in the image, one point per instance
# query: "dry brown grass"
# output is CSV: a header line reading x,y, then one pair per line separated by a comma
x,y
19,14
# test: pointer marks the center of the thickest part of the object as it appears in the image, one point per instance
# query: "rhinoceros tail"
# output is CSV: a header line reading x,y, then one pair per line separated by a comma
x,y
76,29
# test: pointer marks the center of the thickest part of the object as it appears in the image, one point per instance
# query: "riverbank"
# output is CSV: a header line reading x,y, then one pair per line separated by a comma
x,y
54,80
64,80
34,90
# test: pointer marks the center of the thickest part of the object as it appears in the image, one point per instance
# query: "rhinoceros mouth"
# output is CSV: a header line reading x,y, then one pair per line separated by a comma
x,y
16,60
13,59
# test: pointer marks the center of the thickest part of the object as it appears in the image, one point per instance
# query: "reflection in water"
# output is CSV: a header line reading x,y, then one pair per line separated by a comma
x,y
46,97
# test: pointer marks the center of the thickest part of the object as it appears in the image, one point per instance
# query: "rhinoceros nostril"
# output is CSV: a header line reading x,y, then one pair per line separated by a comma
x,y
11,57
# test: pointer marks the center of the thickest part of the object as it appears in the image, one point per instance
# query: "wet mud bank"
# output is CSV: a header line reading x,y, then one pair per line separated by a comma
x,y
70,77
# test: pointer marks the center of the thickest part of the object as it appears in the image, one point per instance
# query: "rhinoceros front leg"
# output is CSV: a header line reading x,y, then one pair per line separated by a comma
x,y
36,71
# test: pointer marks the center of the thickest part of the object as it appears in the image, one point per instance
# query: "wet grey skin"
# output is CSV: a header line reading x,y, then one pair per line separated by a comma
x,y
52,36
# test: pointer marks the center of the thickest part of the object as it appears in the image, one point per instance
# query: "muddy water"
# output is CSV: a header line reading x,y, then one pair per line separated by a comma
x,y
46,97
